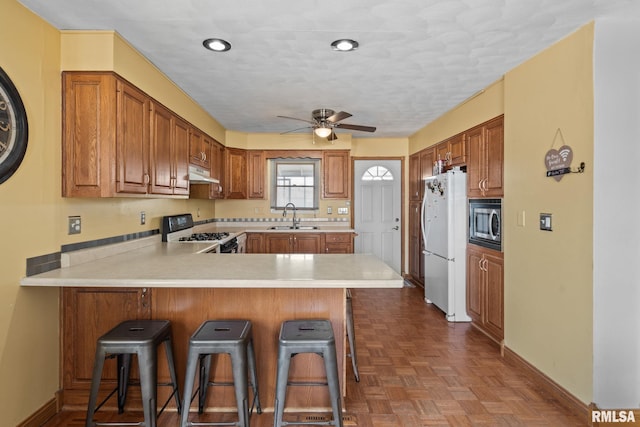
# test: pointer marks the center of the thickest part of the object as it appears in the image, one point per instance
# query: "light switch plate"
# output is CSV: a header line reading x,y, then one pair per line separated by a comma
x,y
545,222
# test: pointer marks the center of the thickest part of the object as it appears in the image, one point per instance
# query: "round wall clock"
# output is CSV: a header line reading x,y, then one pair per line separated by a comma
x,y
13,128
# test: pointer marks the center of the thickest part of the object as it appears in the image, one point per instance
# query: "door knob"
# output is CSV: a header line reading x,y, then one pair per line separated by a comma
x,y
397,227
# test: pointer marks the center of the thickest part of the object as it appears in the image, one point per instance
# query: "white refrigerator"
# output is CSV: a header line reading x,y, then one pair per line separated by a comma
x,y
444,230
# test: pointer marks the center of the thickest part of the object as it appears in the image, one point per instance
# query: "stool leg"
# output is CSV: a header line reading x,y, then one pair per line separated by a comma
x,y
205,371
251,356
189,379
168,346
98,364
281,386
147,360
331,366
124,370
241,385
352,340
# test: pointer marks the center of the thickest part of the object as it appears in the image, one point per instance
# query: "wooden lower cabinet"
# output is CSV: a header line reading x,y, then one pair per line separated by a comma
x,y
255,243
87,313
293,243
485,290
300,243
416,258
338,243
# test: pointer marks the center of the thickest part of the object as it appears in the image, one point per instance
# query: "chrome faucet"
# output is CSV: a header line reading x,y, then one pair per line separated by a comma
x,y
284,213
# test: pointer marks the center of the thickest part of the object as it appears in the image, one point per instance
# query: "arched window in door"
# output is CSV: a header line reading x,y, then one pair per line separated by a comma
x,y
377,173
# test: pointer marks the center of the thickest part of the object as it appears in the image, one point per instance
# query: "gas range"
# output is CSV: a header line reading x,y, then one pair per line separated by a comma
x,y
180,229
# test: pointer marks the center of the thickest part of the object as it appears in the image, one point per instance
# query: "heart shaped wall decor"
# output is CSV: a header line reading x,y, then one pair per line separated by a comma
x,y
558,160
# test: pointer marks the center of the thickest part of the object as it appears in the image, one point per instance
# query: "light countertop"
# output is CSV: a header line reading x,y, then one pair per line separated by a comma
x,y
172,265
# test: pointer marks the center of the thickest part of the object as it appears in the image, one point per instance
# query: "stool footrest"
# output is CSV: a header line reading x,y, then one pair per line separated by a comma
x,y
308,383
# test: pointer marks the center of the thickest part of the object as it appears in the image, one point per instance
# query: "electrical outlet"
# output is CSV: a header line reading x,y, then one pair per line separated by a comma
x,y
329,210
143,218
343,211
75,225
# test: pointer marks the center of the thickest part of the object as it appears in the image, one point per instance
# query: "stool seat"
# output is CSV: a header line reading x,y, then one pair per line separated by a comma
x,y
307,336
142,338
213,337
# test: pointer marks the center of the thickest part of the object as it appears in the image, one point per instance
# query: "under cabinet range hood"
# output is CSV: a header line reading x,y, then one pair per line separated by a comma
x,y
200,176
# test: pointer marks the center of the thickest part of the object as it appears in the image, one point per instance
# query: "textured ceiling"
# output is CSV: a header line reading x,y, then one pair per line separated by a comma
x,y
417,58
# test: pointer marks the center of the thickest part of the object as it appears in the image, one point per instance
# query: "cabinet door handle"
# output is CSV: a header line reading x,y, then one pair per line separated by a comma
x,y
143,298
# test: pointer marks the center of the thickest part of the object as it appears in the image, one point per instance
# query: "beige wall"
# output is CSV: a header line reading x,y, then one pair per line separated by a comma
x,y
478,108
549,275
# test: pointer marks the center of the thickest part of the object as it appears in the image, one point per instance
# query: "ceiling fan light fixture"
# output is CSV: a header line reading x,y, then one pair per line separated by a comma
x,y
344,45
323,132
217,45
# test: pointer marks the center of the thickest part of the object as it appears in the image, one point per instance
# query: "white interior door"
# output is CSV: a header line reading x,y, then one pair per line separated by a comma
x,y
377,209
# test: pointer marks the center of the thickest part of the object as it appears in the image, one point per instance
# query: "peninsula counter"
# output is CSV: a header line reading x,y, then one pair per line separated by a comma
x,y
173,282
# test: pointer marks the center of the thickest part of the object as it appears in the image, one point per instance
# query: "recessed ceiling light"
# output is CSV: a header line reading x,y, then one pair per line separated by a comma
x,y
217,45
344,45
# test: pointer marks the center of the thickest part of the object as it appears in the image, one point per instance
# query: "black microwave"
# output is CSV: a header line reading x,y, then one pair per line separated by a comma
x,y
485,223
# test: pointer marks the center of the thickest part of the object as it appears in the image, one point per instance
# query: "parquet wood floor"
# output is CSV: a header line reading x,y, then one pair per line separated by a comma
x,y
416,369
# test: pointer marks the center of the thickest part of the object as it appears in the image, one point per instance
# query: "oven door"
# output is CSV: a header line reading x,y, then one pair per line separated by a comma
x,y
230,247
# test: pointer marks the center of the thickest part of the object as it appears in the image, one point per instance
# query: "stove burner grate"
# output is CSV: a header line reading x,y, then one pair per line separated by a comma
x,y
205,237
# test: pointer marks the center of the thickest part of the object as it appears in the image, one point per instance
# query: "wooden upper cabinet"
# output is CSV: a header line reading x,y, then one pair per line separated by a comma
x,y
452,151
117,141
199,149
217,169
169,152
335,173
485,145
420,168
89,111
256,162
180,157
457,151
132,140
235,173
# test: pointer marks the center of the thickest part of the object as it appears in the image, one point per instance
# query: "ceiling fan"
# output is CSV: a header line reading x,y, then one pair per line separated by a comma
x,y
324,121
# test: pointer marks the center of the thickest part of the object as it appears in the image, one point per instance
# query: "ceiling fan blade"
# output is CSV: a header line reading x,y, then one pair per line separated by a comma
x,y
356,127
295,118
332,137
338,116
295,130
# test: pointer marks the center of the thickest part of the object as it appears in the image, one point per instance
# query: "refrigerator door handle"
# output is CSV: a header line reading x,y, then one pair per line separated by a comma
x,y
429,253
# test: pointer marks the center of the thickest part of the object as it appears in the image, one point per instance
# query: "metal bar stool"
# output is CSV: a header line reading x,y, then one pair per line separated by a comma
x,y
307,336
142,338
352,337
235,338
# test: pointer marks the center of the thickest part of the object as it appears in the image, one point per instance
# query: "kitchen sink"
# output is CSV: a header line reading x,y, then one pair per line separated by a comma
x,y
290,227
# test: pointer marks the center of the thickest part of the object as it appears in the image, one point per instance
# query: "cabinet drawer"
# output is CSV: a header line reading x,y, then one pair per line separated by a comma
x,y
338,238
